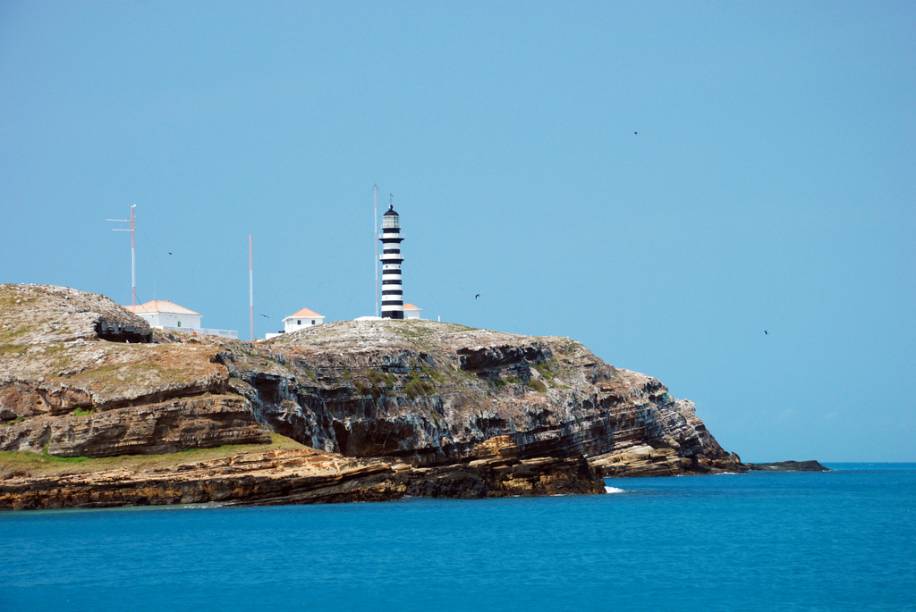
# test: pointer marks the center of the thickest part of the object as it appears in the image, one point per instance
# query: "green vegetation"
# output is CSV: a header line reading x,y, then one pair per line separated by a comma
x,y
432,373
157,365
496,383
10,296
568,345
537,385
379,383
546,370
416,334
12,349
418,387
8,335
362,387
56,356
62,460
79,412
457,327
420,332
379,378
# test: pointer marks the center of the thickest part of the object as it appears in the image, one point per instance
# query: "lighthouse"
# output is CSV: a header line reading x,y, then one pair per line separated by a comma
x,y
392,291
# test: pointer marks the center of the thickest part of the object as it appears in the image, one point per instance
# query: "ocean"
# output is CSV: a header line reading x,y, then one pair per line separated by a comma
x,y
844,540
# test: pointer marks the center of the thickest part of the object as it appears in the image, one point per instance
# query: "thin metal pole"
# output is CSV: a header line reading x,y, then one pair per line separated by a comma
x,y
131,222
375,241
250,288
133,254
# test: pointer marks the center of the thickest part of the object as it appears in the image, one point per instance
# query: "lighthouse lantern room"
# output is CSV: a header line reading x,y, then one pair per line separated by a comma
x,y
392,290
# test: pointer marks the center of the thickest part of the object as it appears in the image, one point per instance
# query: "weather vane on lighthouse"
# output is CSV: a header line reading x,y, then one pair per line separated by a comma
x,y
392,290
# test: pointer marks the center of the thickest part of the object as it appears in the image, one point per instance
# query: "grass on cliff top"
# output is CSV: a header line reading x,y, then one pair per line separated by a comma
x,y
14,334
22,463
142,365
421,332
12,297
12,349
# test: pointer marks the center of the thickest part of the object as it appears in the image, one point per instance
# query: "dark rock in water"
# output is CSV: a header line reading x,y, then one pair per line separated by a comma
x,y
788,466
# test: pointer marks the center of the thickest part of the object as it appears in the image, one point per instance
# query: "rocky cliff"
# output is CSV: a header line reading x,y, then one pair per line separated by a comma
x,y
398,407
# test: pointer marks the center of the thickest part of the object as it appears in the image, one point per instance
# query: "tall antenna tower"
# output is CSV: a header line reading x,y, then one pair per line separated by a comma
x,y
250,288
375,241
132,228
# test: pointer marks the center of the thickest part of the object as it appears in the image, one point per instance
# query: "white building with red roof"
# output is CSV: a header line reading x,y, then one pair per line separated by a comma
x,y
301,319
163,314
412,311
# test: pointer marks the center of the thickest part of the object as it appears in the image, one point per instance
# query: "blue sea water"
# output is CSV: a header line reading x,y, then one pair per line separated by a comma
x,y
844,540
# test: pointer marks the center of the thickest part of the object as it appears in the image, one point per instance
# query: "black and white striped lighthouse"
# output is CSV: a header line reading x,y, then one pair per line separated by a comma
x,y
392,291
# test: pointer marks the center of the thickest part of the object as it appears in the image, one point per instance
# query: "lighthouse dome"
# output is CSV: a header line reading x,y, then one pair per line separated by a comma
x,y
391,212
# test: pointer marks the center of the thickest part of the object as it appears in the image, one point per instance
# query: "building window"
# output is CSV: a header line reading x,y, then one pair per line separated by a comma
x,y
313,321
179,324
298,321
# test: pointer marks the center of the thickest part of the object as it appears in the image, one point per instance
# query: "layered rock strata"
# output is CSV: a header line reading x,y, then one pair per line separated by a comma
x,y
467,411
282,476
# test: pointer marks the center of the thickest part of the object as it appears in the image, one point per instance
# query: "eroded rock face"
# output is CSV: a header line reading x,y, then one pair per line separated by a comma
x,y
429,393
176,424
423,394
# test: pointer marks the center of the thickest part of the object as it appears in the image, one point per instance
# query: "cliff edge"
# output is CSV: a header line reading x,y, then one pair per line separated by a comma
x,y
98,409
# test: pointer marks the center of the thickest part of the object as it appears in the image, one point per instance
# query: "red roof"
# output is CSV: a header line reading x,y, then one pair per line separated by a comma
x,y
155,306
305,313
411,307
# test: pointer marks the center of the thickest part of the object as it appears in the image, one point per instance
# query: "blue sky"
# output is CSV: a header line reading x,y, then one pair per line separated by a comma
x,y
770,185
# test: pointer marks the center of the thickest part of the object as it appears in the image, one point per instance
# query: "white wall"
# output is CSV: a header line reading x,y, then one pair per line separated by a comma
x,y
291,325
168,319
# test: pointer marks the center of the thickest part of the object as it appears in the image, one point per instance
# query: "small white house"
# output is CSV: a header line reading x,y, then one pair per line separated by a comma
x,y
301,319
163,314
412,311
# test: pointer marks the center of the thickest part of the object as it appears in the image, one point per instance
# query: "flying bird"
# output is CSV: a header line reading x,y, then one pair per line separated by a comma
x,y
265,316
766,333
476,296
170,252
635,133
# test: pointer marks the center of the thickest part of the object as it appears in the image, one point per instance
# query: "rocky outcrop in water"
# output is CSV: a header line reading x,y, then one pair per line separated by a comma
x,y
788,466
467,411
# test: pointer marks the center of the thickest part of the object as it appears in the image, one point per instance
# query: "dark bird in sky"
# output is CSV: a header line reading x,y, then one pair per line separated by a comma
x,y
265,316
635,133
766,333
170,252
476,296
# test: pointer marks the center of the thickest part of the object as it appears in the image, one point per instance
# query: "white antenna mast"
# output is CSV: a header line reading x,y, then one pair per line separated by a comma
x,y
250,288
132,228
375,241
